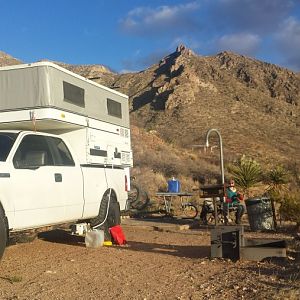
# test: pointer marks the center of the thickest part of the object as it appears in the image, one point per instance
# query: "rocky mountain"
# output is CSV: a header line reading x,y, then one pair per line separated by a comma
x,y
253,104
8,60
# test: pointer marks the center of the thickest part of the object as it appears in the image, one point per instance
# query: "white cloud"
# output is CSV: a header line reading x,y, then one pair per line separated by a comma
x,y
257,16
288,42
242,43
165,18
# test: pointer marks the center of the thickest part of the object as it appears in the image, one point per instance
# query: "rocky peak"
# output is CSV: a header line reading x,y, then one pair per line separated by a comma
x,y
183,50
8,60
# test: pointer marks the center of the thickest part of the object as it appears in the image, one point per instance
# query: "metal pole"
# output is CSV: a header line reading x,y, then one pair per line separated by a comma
x,y
221,163
221,150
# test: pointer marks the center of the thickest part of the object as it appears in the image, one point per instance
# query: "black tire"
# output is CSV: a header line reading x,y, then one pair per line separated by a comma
x,y
137,197
190,211
113,217
3,233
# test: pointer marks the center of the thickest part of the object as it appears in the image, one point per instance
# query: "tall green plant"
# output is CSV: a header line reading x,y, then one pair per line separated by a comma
x,y
246,173
277,180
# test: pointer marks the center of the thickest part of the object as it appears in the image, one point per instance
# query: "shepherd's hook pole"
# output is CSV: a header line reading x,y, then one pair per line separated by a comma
x,y
222,166
221,150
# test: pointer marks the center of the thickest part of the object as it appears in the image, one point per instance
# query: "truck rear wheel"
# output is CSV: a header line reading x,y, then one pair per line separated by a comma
x,y
113,217
3,233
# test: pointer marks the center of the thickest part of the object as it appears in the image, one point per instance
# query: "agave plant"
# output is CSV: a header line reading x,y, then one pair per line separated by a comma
x,y
246,173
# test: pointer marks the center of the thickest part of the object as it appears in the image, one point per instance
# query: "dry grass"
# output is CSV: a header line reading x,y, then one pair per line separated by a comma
x,y
155,162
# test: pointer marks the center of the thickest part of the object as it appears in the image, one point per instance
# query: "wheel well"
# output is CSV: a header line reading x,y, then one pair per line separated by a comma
x,y
2,209
5,219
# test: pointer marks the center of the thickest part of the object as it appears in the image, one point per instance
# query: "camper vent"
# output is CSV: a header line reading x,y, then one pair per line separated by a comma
x,y
124,132
125,158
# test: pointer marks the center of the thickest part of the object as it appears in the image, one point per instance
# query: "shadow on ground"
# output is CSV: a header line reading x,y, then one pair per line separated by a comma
x,y
173,250
62,237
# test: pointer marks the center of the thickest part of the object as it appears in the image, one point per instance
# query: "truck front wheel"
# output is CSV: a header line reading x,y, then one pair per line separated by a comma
x,y
3,233
113,216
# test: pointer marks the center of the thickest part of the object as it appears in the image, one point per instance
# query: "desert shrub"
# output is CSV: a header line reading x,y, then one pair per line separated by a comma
x,y
277,180
290,207
294,169
277,177
246,173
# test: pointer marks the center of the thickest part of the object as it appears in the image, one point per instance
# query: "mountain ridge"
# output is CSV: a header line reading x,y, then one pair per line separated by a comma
x,y
254,105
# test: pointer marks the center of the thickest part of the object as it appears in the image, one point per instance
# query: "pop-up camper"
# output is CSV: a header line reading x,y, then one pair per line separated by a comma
x,y
65,149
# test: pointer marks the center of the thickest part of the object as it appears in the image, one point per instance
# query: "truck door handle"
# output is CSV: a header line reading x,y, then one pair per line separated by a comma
x,y
58,177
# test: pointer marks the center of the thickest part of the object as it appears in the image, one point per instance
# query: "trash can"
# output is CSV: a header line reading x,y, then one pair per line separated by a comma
x,y
260,213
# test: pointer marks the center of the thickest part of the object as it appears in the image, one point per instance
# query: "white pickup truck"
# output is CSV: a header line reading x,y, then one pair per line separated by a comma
x,y
65,150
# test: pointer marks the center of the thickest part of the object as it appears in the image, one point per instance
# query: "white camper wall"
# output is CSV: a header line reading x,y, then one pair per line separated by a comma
x,y
78,141
95,97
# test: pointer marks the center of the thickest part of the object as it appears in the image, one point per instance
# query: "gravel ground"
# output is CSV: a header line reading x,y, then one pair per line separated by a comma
x,y
160,261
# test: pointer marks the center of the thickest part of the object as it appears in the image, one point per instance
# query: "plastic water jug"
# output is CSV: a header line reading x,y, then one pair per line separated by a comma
x,y
173,186
94,238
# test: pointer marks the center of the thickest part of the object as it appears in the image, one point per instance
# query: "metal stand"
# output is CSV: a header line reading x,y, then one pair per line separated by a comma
x,y
229,242
213,191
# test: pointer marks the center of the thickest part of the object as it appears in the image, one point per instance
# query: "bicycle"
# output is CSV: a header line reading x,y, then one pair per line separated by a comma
x,y
190,211
186,210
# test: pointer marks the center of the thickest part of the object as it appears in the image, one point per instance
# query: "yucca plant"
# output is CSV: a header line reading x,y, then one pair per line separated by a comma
x,y
246,172
277,179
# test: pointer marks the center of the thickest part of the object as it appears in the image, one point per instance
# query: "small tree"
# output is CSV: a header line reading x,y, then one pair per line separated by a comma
x,y
290,208
246,173
277,180
290,200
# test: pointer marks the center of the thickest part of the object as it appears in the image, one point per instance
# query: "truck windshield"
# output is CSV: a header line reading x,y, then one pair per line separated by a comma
x,y
7,140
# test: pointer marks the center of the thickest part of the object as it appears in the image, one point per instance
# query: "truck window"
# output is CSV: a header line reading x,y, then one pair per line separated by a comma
x,y
62,155
33,151
6,142
114,108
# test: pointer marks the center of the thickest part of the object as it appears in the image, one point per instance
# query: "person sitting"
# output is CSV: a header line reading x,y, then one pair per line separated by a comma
x,y
233,200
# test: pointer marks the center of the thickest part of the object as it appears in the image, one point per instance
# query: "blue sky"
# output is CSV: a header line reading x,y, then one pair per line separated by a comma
x,y
130,35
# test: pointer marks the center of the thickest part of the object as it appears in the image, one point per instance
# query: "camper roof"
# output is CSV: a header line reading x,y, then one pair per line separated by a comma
x,y
51,64
47,85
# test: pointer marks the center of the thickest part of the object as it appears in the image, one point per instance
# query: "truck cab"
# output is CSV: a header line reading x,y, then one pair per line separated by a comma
x,y
41,180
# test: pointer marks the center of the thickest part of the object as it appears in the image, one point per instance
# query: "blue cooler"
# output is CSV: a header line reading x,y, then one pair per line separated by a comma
x,y
173,186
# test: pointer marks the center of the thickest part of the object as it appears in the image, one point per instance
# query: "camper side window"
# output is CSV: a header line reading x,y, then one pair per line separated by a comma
x,y
114,108
73,94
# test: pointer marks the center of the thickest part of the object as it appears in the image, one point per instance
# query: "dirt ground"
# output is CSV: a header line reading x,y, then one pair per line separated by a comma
x,y
160,261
